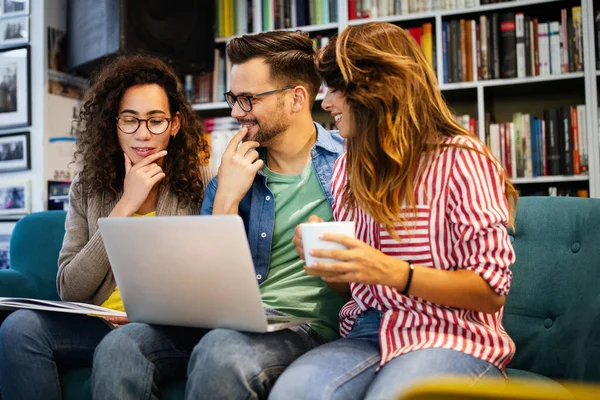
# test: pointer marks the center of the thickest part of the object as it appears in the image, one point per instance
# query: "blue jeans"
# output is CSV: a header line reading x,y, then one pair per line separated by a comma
x,y
132,361
347,368
34,345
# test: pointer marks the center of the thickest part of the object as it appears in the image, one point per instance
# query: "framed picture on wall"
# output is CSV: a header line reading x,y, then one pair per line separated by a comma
x,y
14,31
58,195
6,229
12,8
15,152
15,97
15,197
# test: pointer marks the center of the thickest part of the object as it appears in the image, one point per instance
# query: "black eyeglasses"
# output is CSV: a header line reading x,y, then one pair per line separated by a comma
x,y
245,102
156,125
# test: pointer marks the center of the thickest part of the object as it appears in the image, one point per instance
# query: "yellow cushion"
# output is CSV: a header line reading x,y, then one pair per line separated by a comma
x,y
496,388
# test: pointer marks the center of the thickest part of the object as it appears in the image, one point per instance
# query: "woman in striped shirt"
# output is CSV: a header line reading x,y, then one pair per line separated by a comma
x,y
429,268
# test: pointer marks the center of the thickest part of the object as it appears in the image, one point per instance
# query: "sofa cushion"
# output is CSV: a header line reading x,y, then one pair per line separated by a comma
x,y
553,309
35,243
521,374
76,385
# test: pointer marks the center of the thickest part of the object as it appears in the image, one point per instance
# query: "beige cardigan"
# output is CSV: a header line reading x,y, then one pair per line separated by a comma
x,y
84,273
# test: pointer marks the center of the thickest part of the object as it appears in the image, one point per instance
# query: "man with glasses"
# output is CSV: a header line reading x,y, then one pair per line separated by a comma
x,y
275,173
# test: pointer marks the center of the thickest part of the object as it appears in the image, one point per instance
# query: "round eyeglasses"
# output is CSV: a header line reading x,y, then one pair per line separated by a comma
x,y
245,101
155,125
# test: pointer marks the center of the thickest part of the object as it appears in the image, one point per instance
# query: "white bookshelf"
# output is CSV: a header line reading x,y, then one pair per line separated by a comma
x,y
511,82
315,28
591,95
482,90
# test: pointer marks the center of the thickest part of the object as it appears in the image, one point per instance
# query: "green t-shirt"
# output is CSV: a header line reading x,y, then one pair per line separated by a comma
x,y
287,287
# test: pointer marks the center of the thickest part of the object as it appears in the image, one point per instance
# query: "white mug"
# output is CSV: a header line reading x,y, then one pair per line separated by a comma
x,y
312,231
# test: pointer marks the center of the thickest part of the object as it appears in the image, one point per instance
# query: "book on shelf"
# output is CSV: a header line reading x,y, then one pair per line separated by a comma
x,y
508,45
556,65
565,141
209,87
552,148
512,44
530,147
16,303
236,17
520,50
386,8
468,122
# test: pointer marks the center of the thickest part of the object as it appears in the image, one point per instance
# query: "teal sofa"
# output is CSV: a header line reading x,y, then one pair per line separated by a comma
x,y
552,312
553,309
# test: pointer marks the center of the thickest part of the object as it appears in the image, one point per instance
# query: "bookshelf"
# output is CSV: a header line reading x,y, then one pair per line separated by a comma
x,y
590,10
532,94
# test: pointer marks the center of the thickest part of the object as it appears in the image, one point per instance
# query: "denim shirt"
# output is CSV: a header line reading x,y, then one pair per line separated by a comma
x,y
257,208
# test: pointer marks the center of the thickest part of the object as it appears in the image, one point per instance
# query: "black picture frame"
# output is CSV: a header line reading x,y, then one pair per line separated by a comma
x,y
15,87
15,152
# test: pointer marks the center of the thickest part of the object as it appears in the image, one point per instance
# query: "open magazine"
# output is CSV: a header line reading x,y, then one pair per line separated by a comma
x,y
14,303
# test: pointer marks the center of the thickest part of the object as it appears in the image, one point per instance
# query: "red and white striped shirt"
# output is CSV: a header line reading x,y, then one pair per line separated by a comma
x,y
461,222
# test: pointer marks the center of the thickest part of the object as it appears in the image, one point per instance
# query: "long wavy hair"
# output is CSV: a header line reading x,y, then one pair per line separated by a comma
x,y
398,113
99,153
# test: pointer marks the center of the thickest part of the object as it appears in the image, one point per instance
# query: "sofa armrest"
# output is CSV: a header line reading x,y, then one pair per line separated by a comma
x,y
15,284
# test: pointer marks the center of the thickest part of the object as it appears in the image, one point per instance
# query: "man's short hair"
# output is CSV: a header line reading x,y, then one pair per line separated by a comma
x,y
290,55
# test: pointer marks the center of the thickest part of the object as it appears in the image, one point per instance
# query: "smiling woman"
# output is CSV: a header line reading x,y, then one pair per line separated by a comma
x,y
140,147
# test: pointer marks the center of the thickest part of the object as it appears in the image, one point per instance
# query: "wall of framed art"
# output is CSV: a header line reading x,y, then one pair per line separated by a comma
x,y
22,81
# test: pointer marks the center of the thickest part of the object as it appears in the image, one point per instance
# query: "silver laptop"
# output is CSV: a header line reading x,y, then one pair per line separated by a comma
x,y
194,271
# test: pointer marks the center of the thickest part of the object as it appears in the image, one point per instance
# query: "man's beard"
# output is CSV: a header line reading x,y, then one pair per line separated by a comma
x,y
267,131
267,134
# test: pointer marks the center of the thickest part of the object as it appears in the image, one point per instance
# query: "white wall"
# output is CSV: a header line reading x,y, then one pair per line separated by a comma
x,y
58,110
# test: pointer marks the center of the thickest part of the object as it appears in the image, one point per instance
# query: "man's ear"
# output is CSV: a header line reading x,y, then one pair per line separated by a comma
x,y
300,98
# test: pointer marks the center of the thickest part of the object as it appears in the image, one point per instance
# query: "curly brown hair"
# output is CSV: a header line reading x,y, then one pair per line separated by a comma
x,y
98,150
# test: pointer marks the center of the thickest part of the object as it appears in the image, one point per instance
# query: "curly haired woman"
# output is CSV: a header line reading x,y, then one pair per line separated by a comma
x,y
429,268
140,149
